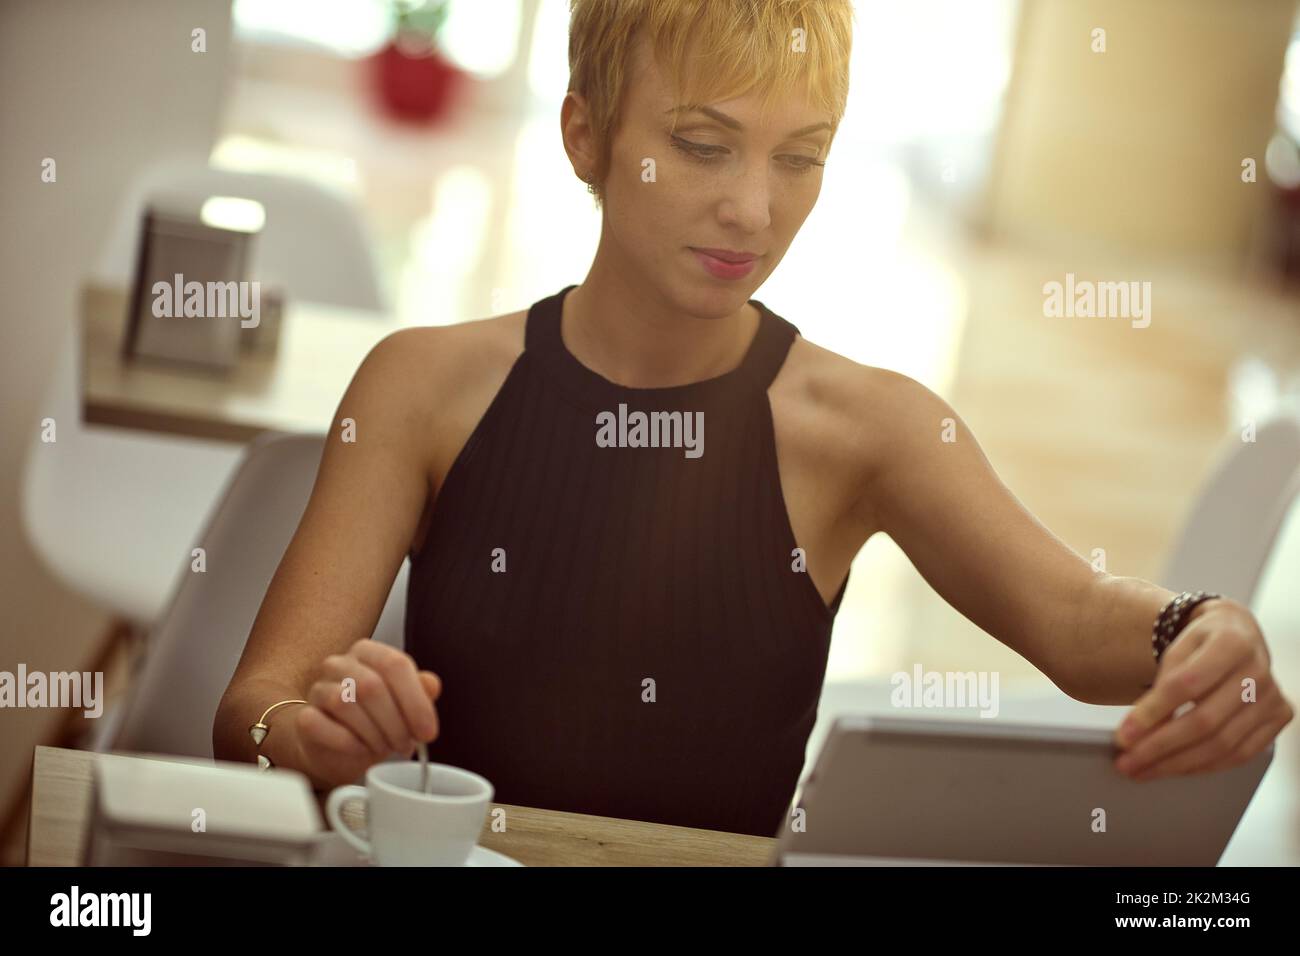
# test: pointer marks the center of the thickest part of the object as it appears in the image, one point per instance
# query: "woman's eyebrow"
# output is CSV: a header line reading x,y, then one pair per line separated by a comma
x,y
733,123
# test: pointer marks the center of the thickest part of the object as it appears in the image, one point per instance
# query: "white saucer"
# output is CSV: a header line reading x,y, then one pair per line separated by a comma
x,y
332,850
479,856
482,856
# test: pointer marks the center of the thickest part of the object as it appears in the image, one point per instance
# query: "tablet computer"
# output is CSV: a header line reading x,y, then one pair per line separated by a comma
x,y
888,790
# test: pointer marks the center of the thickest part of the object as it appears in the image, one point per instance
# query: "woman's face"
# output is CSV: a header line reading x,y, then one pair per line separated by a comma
x,y
726,179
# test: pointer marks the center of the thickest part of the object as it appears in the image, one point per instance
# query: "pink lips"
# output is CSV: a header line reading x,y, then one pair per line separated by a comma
x,y
726,263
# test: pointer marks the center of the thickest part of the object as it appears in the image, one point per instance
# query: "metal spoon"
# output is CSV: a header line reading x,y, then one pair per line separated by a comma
x,y
424,769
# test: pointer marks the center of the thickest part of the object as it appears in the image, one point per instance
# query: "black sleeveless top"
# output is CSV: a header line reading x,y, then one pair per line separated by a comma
x,y
621,630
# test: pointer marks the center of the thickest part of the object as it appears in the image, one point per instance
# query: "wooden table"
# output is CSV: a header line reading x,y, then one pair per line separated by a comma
x,y
60,815
295,388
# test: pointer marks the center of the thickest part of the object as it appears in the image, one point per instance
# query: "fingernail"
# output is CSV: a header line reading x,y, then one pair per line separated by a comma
x,y
1124,765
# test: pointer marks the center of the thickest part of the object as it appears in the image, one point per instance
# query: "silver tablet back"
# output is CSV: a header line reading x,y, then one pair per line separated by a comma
x,y
938,790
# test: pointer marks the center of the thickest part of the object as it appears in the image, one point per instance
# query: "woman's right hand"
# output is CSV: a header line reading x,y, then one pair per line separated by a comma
x,y
364,706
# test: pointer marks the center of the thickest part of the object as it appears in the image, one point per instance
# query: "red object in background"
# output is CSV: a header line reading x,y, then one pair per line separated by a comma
x,y
415,82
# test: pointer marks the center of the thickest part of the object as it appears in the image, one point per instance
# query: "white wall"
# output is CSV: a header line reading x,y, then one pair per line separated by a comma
x,y
102,88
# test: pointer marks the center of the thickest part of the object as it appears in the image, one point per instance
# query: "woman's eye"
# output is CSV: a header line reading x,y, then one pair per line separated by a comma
x,y
699,151
800,164
706,153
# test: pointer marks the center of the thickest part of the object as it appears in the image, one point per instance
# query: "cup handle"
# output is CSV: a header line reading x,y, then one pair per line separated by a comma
x,y
338,796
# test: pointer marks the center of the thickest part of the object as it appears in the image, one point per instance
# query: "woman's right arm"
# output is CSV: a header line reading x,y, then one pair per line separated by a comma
x,y
313,629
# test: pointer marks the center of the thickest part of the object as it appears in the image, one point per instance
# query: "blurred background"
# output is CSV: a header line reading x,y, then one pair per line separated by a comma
x,y
409,163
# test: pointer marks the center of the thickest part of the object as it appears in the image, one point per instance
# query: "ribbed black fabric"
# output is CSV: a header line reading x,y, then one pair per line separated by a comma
x,y
622,565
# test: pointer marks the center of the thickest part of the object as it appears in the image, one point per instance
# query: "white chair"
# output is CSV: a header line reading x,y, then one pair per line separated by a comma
x,y
1231,529
140,96
112,512
172,700
313,242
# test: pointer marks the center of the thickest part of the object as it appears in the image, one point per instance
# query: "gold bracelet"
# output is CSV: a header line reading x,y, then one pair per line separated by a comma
x,y
259,731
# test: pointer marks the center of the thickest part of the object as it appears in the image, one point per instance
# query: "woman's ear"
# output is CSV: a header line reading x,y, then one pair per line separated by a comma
x,y
578,136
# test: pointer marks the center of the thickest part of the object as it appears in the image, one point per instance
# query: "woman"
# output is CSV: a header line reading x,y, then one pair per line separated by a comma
x,y
631,509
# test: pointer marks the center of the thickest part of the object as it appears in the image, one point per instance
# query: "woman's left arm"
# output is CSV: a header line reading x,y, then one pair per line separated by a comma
x,y
935,494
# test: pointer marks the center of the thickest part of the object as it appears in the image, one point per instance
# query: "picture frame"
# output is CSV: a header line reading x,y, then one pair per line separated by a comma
x,y
189,293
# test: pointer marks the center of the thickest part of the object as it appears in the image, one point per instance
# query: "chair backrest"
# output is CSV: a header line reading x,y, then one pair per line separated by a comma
x,y
313,244
1231,529
193,652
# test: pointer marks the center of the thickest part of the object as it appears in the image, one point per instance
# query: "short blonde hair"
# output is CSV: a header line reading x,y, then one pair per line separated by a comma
x,y
737,46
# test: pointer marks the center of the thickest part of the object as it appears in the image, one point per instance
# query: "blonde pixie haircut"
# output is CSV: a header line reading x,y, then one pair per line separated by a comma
x,y
735,45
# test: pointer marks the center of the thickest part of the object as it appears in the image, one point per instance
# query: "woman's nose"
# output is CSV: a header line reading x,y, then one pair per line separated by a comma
x,y
747,201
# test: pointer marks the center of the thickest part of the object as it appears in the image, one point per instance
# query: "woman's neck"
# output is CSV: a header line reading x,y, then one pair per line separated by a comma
x,y
635,339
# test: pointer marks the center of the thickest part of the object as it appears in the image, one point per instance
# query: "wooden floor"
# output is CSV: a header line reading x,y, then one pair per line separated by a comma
x,y
1103,430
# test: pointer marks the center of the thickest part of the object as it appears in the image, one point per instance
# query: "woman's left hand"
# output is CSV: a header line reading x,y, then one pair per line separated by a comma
x,y
1220,664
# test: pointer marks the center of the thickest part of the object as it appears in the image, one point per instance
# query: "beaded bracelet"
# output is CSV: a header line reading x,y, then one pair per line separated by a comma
x,y
1173,618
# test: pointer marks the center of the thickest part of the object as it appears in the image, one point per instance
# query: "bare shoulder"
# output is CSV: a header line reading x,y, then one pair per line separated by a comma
x,y
443,377
442,358
846,417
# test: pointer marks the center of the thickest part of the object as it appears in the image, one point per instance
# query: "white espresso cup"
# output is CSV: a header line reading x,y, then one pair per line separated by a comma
x,y
406,827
